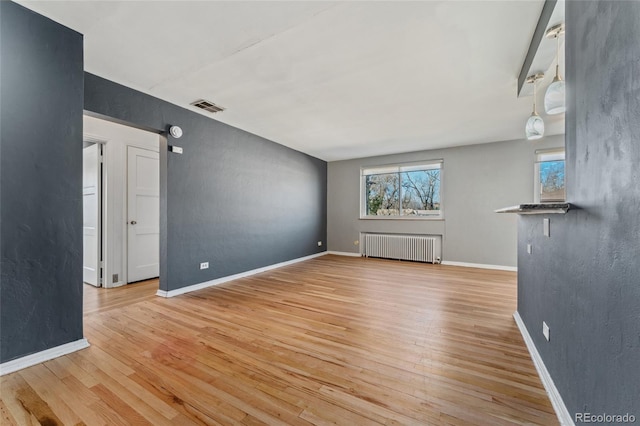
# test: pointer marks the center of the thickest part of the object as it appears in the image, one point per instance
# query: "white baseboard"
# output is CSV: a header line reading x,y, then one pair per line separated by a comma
x,y
218,281
556,399
481,266
38,357
344,253
450,263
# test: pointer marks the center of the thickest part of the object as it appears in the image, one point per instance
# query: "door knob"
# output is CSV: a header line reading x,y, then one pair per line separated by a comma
x,y
133,222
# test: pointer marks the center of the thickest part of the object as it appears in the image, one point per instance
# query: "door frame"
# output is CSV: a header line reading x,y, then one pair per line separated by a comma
x,y
114,205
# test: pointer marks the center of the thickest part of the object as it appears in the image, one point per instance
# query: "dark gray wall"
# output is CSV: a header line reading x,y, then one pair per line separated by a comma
x,y
40,183
233,199
584,280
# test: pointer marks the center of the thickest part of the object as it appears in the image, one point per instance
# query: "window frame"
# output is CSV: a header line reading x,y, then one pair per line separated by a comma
x,y
400,168
553,154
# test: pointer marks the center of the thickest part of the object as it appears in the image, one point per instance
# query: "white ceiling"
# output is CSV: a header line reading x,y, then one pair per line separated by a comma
x,y
335,80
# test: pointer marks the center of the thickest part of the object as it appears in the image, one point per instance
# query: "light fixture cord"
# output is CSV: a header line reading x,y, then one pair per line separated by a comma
x,y
535,81
558,57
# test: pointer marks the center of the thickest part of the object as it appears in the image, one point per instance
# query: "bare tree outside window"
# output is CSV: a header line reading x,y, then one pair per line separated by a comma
x,y
383,194
403,193
421,191
552,181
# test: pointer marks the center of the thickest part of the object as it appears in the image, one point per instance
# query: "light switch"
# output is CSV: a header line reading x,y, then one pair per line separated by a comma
x,y
545,225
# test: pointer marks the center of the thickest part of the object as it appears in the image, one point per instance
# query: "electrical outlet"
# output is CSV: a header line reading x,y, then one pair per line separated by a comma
x,y
356,243
529,248
545,330
319,243
204,265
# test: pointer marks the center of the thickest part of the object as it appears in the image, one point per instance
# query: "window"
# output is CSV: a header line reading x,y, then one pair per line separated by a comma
x,y
408,191
549,176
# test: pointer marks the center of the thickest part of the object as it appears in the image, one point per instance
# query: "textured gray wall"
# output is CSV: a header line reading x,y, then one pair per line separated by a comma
x,y
233,199
40,183
584,280
477,180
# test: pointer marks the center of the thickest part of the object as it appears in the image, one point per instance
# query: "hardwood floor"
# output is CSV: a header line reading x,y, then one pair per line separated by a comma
x,y
98,300
334,340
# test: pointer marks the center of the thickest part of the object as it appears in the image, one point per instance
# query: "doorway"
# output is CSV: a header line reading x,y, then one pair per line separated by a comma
x,y
128,219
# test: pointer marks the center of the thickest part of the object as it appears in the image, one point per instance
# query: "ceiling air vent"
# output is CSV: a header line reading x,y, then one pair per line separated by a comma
x,y
207,106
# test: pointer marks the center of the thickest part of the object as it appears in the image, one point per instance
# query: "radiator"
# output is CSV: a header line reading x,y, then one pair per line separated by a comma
x,y
418,248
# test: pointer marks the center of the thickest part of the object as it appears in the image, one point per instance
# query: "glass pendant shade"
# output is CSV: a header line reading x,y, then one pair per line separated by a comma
x,y
554,99
534,128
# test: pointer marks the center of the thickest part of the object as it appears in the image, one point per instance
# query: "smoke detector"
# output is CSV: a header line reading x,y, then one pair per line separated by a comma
x,y
207,106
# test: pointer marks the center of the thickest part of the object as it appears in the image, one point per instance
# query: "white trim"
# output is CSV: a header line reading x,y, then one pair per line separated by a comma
x,y
90,138
344,253
402,167
429,217
480,265
200,286
556,399
42,356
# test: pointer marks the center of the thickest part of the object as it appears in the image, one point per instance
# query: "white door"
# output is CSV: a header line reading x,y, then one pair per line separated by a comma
x,y
143,214
91,214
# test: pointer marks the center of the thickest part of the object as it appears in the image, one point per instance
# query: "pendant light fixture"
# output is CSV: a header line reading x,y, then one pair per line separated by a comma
x,y
554,98
534,128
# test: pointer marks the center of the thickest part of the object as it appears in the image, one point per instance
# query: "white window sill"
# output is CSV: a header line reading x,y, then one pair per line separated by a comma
x,y
436,218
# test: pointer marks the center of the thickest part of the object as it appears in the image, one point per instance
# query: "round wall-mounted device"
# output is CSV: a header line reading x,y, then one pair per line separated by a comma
x,y
175,131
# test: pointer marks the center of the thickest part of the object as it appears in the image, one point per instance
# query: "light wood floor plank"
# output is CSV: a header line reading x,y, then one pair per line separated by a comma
x,y
6,418
334,340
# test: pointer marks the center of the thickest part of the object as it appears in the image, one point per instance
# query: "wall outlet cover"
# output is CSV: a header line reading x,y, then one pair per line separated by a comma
x,y
529,248
204,265
319,243
545,331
